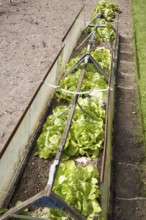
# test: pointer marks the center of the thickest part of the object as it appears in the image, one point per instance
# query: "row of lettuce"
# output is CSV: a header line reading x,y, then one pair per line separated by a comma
x,y
77,185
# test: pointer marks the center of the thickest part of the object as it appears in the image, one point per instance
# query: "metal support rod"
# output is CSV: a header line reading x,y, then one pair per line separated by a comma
x,y
90,23
106,44
67,208
92,34
54,166
22,206
94,31
75,66
114,59
83,41
99,68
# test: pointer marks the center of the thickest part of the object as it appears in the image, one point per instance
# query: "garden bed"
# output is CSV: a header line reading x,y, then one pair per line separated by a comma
x,y
108,142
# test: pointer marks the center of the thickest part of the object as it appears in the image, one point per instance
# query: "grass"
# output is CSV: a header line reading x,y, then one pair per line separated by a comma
x,y
139,25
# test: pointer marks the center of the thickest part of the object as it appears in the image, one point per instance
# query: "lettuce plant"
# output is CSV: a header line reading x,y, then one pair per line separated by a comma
x,y
83,181
86,134
107,8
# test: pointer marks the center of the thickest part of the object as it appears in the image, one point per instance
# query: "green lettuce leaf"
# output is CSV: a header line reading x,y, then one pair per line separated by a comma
x,y
107,8
78,186
86,134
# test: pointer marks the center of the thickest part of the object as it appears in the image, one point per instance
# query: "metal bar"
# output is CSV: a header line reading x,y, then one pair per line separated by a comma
x,y
85,58
85,112
88,48
82,108
94,31
99,68
54,166
114,54
28,217
90,25
100,35
83,41
67,208
75,66
22,206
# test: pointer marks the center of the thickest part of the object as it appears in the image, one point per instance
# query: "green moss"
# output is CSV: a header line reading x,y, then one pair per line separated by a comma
x,y
139,25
